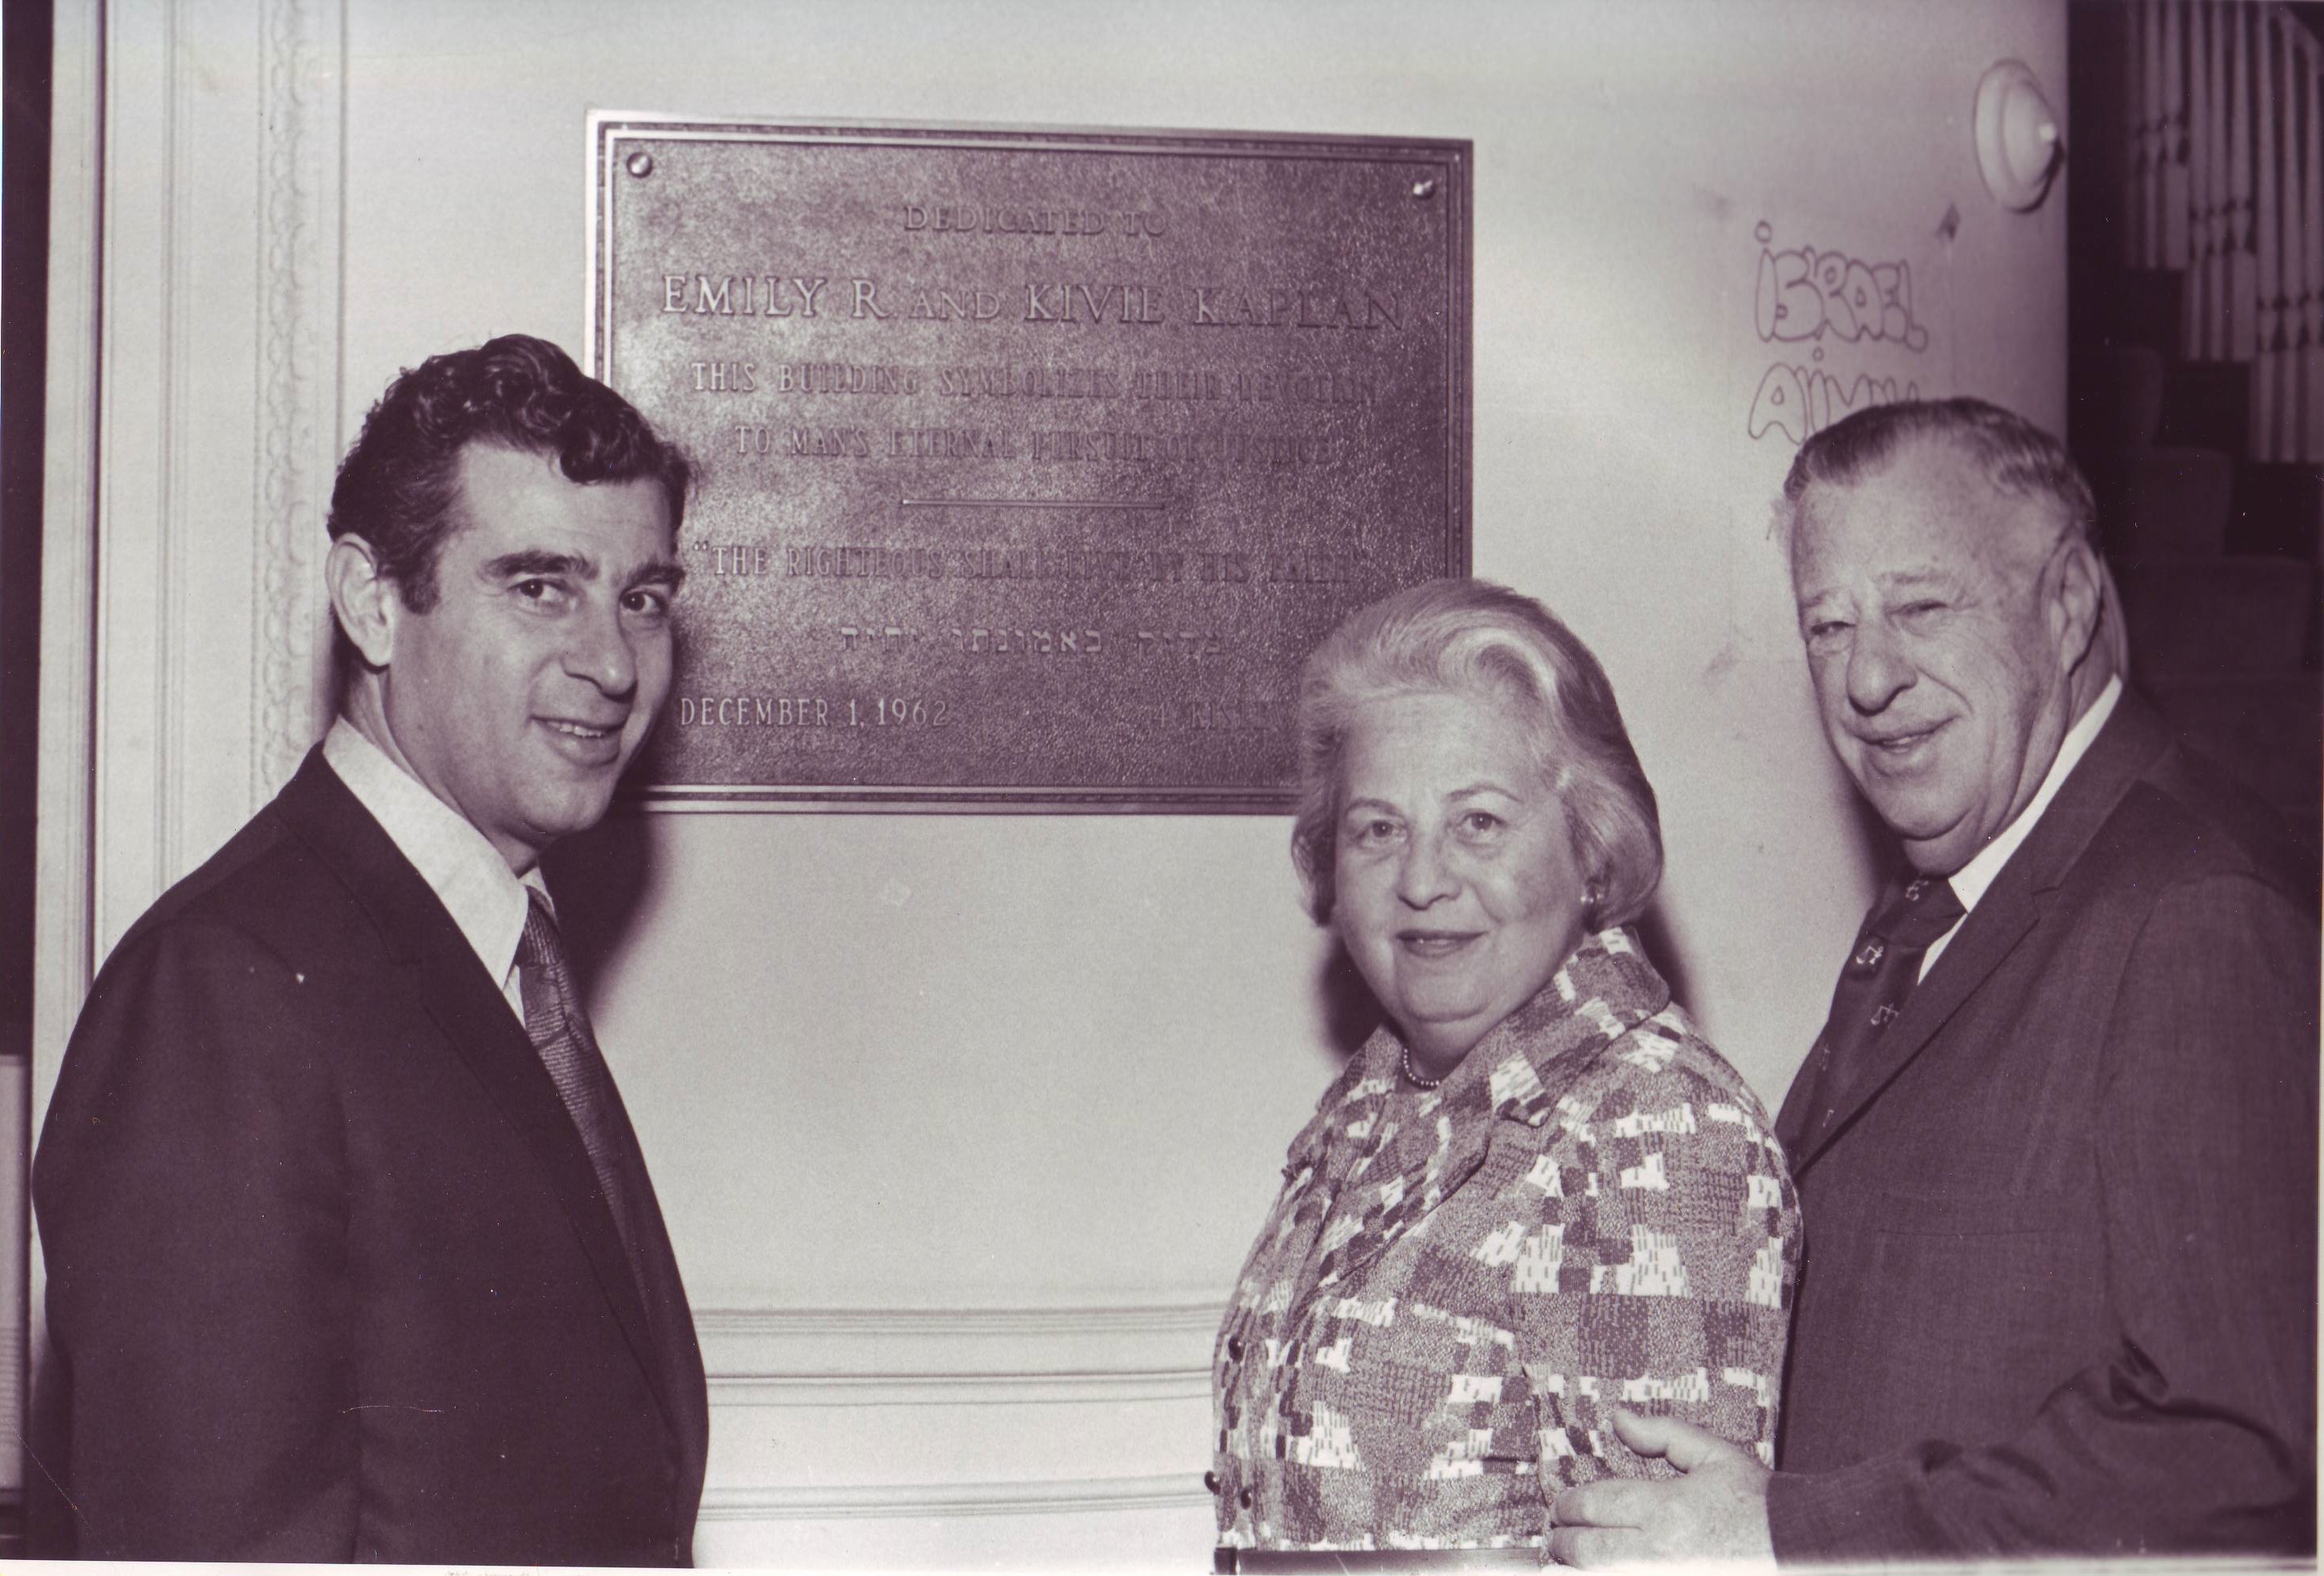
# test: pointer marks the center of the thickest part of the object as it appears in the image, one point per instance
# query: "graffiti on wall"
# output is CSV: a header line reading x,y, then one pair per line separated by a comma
x,y
1810,302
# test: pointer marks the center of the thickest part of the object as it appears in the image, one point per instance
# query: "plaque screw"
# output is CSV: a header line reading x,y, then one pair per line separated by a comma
x,y
1424,188
641,164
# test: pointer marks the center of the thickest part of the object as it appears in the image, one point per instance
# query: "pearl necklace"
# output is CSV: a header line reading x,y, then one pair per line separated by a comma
x,y
1415,1079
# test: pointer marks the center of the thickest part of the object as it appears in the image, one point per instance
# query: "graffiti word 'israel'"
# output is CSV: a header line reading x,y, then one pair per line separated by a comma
x,y
1807,294
1802,400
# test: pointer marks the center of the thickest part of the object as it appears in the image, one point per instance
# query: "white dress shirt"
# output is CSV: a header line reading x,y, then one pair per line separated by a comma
x,y
486,900
1975,879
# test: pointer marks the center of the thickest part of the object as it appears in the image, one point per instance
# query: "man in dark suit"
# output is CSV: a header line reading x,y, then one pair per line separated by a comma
x,y
351,1251
2056,1147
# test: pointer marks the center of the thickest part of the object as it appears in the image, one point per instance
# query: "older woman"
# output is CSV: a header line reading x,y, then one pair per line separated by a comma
x,y
1536,1192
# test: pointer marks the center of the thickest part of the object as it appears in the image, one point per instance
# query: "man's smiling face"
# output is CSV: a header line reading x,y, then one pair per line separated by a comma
x,y
521,693
1925,601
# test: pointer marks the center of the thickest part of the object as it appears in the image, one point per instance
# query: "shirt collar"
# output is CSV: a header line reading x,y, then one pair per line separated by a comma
x,y
1598,995
1971,882
486,900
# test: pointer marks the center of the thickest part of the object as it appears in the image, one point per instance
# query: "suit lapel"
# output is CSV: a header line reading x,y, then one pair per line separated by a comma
x,y
1792,1122
476,1018
685,1398
2012,907
443,975
1984,938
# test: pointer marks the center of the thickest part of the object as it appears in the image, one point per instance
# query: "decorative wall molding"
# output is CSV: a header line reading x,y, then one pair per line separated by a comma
x,y
64,898
177,240
214,408
1162,1320
173,260
957,1357
302,83
137,459
997,1379
904,1501
1100,1389
63,936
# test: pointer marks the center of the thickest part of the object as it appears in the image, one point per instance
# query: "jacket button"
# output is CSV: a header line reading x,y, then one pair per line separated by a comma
x,y
1243,1500
1211,1481
1234,1347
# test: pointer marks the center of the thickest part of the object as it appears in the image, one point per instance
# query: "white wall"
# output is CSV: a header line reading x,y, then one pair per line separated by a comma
x,y
962,1124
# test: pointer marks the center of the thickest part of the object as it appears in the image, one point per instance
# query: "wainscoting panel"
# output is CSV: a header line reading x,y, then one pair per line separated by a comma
x,y
949,1437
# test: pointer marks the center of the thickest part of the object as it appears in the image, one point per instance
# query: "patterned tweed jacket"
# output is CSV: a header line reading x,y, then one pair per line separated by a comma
x,y
1456,1283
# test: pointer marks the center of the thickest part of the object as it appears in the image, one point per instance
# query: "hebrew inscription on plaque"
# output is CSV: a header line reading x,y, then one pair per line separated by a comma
x,y
1030,465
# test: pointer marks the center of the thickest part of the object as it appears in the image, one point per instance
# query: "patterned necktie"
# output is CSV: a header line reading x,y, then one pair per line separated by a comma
x,y
558,1027
1882,969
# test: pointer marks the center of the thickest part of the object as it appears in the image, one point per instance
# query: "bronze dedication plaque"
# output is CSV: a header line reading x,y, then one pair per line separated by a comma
x,y
1032,464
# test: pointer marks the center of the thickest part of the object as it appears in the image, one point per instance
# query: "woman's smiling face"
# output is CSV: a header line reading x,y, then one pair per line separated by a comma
x,y
1459,895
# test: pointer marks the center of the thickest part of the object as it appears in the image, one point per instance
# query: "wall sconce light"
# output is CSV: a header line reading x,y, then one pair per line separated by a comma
x,y
2019,142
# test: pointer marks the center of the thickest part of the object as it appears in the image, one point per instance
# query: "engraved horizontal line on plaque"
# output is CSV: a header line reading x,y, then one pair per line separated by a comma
x,y
1124,504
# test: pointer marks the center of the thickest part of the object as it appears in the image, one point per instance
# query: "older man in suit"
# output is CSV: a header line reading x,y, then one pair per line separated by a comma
x,y
352,1253
2056,1147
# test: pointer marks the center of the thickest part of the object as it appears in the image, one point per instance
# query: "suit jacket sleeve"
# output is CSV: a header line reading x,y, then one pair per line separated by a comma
x,y
2198,1430
1669,1293
189,1188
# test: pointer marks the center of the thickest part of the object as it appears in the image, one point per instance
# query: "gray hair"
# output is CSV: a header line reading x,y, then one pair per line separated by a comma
x,y
1476,639
2019,460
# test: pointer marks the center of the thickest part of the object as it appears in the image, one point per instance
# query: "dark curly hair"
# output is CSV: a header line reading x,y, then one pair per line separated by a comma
x,y
399,484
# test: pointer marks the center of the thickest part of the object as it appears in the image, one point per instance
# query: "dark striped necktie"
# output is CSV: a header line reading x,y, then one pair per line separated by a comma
x,y
1882,969
558,1027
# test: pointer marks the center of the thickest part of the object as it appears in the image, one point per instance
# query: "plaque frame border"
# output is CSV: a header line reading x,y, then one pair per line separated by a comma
x,y
605,126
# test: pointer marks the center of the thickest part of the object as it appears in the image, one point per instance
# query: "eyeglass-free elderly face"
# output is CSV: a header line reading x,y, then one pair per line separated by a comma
x,y
1459,894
